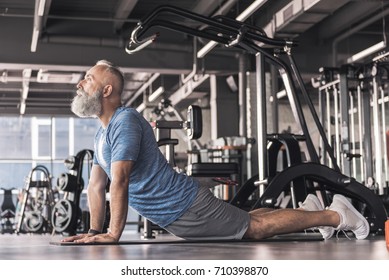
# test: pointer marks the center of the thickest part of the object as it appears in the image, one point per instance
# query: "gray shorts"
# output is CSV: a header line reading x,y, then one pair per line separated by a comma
x,y
210,218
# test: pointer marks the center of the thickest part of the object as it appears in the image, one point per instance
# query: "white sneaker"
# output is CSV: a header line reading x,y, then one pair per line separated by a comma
x,y
312,203
350,218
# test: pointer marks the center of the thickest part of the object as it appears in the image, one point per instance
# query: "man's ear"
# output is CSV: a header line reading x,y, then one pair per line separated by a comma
x,y
107,90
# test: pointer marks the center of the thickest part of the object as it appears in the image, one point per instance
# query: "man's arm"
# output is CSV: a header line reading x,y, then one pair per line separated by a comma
x,y
118,202
119,197
97,197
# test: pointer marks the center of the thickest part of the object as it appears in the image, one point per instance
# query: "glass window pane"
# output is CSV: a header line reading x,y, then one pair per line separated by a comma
x,y
19,171
15,138
61,138
44,141
84,132
16,147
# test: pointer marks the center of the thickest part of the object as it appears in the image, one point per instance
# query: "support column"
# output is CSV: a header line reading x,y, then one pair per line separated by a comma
x,y
261,122
242,95
344,121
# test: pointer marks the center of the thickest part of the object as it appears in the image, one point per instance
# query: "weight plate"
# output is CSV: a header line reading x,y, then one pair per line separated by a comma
x,y
33,221
67,182
63,217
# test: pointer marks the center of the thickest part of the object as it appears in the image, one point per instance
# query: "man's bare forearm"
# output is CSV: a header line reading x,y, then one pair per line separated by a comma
x,y
96,200
119,208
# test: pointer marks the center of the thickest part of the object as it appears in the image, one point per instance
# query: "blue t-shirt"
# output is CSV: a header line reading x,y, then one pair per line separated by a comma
x,y
156,190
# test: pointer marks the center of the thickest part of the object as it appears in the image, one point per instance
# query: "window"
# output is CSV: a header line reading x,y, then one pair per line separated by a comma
x,y
30,141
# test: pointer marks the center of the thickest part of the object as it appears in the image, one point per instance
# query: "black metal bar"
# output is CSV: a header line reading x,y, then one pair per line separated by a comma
x,y
313,113
146,23
232,27
255,33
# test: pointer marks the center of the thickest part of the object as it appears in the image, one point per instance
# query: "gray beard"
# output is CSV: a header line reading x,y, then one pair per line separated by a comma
x,y
86,106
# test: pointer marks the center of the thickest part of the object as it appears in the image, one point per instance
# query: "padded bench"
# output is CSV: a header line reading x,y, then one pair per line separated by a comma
x,y
213,169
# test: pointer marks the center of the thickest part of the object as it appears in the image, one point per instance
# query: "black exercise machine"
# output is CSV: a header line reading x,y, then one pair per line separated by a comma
x,y
313,175
37,204
8,212
67,217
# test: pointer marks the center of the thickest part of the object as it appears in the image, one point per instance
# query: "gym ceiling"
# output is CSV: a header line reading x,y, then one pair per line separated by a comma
x,y
47,45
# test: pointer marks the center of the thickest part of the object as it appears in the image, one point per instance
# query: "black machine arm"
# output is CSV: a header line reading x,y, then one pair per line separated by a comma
x,y
219,29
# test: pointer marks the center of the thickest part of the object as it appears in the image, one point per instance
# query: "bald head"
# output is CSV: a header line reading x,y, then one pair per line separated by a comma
x,y
112,75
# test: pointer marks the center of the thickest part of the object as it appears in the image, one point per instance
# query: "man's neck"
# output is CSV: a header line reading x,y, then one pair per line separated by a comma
x,y
106,116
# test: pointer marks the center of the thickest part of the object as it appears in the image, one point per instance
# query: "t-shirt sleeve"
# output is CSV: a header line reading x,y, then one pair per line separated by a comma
x,y
125,138
95,161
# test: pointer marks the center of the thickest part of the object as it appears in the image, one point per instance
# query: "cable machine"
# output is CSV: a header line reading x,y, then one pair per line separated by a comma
x,y
313,174
353,105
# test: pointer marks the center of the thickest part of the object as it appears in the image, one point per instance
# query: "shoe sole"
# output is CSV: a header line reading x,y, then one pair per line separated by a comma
x,y
355,211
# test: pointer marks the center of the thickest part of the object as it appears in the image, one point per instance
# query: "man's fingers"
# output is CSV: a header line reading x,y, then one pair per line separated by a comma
x,y
74,238
88,238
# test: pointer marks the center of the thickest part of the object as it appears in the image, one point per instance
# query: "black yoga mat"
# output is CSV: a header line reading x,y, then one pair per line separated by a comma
x,y
280,238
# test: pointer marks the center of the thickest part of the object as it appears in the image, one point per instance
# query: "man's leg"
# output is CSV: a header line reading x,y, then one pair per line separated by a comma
x,y
263,225
341,215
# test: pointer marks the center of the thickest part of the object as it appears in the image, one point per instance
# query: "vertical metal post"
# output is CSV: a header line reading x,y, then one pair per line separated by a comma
x,y
337,130
322,115
383,133
249,127
328,103
377,138
213,105
344,122
261,122
360,133
242,95
352,136
366,139
243,115
274,86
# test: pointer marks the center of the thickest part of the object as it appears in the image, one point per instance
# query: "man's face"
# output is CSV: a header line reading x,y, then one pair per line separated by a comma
x,y
84,105
88,101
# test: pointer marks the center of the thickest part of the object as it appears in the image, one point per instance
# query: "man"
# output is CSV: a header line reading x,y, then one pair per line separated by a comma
x,y
126,152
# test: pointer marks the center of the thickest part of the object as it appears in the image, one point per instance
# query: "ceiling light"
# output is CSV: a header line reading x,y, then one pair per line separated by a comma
x,y
141,107
206,49
369,51
250,10
41,7
242,17
25,92
34,41
58,77
156,94
22,107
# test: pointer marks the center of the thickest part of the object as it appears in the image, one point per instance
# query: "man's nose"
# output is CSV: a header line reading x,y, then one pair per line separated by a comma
x,y
79,85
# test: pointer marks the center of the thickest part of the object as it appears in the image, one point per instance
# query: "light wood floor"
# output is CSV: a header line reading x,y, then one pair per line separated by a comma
x,y
38,247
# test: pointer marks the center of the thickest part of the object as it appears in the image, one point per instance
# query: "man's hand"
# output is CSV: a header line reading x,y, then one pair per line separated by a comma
x,y
91,238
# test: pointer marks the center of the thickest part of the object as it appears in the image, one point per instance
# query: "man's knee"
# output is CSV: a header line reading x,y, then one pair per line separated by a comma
x,y
256,229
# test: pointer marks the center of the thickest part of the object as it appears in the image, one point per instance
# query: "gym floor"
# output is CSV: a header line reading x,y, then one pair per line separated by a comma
x,y
40,247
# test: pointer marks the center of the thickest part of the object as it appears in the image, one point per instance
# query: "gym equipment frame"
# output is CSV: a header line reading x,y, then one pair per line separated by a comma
x,y
36,207
233,33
